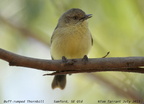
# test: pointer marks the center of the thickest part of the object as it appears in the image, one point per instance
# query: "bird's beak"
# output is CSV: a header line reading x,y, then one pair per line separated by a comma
x,y
87,16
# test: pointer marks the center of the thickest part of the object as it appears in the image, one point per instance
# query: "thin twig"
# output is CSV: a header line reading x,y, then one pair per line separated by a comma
x,y
106,55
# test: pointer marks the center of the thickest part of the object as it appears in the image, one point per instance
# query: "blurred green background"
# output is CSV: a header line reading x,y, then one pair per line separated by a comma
x,y
26,27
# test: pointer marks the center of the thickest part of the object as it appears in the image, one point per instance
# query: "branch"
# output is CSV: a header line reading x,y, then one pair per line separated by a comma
x,y
24,31
131,92
123,64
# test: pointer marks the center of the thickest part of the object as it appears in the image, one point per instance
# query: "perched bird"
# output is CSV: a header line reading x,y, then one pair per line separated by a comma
x,y
71,38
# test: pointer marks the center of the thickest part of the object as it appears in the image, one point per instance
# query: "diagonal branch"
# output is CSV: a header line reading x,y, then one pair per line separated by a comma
x,y
24,31
123,64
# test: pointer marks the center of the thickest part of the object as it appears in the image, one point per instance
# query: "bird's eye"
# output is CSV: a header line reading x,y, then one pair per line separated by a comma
x,y
75,17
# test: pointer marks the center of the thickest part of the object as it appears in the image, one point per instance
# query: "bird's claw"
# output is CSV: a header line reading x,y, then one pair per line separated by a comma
x,y
85,59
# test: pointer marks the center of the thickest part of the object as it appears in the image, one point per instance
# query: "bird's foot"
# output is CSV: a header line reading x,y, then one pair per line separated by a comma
x,y
85,59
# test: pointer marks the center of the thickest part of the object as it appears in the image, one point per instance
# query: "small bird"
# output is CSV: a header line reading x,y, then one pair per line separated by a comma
x,y
71,38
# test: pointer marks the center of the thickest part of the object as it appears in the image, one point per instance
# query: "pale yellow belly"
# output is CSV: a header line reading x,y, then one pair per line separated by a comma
x,y
71,46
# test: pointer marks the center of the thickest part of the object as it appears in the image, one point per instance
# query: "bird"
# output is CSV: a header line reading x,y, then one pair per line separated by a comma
x,y
71,38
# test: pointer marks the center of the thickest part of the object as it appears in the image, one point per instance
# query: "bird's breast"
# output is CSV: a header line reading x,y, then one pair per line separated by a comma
x,y
71,43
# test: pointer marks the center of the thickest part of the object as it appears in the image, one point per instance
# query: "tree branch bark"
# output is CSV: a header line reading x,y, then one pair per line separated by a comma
x,y
122,64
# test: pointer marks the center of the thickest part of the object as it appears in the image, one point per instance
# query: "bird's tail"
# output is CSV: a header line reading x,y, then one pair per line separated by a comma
x,y
59,81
